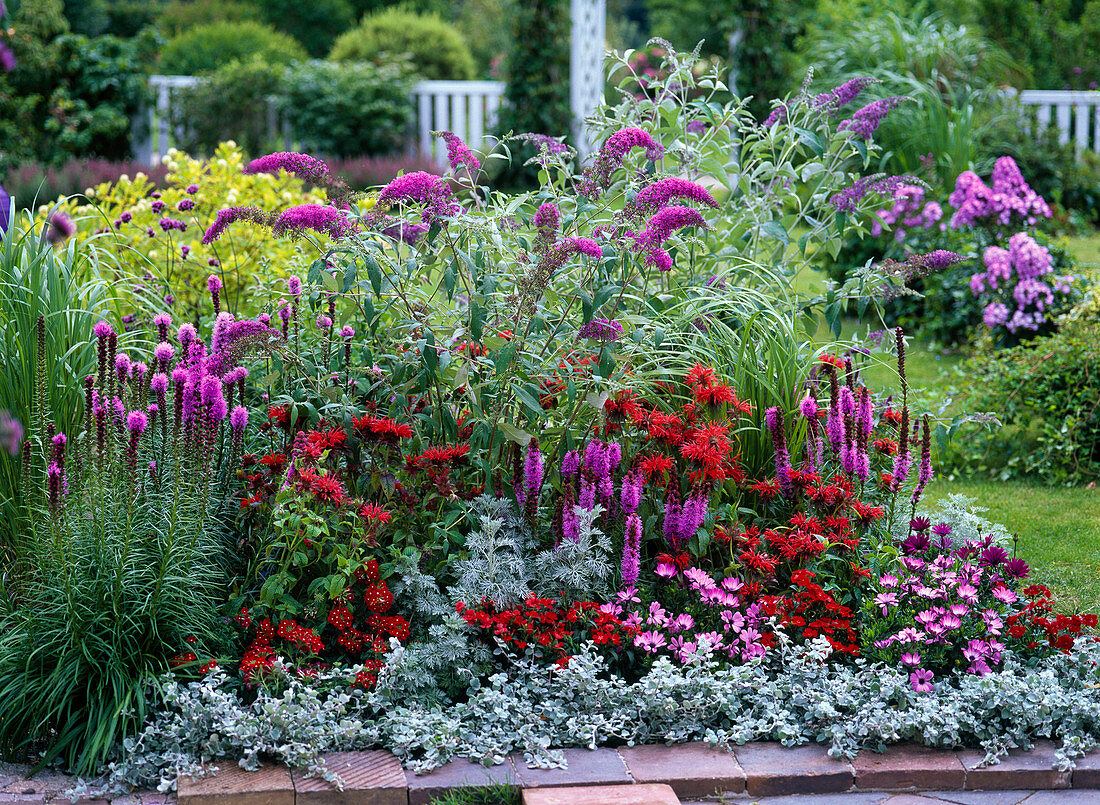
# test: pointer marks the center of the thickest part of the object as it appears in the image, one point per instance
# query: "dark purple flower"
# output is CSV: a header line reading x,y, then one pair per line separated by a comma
x,y
993,556
601,330
1016,568
879,184
186,204
59,228
843,95
171,223
920,524
611,155
5,209
778,115
916,542
7,58
192,189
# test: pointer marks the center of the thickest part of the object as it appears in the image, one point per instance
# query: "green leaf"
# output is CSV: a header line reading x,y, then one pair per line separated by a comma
x,y
807,137
514,434
449,281
776,230
330,282
374,272
316,271
351,273
529,400
477,320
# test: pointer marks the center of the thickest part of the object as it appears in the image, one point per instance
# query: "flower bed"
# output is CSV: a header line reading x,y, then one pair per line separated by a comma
x,y
494,473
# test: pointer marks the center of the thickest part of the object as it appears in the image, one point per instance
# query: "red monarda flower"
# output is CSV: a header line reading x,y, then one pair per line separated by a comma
x,y
659,465
374,513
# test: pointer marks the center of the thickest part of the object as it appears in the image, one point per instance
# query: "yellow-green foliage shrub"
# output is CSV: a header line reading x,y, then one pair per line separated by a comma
x,y
126,218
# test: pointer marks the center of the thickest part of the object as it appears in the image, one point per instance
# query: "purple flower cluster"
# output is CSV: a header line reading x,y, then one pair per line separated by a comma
x,y
880,184
301,165
1022,284
59,228
458,154
839,97
865,121
910,211
944,607
420,188
231,215
11,434
601,330
657,195
547,221
318,217
659,228
612,153
1008,202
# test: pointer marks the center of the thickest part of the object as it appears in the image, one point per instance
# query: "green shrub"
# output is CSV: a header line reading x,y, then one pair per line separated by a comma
x,y
348,109
182,15
232,104
69,95
205,48
1047,394
436,49
315,24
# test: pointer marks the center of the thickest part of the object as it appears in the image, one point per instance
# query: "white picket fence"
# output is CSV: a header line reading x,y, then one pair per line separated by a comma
x,y
468,108
1076,114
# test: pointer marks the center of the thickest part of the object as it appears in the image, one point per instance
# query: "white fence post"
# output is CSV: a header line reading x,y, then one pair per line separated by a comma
x,y
586,79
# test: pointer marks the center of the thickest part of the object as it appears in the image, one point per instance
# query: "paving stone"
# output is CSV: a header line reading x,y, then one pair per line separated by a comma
x,y
638,794
692,769
771,769
983,797
1020,770
1086,774
232,785
369,778
586,767
423,788
847,798
22,799
1081,797
911,799
144,798
909,766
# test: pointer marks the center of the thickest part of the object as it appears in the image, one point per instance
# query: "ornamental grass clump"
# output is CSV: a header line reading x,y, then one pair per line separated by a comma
x,y
127,555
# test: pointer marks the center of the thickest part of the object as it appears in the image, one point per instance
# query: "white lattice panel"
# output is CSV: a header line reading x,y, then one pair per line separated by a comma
x,y
586,79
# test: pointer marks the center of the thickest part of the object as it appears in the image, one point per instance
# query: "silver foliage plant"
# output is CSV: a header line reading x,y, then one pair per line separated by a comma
x,y
794,696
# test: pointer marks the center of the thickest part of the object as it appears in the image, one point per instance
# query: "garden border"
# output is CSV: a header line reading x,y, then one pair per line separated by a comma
x,y
693,770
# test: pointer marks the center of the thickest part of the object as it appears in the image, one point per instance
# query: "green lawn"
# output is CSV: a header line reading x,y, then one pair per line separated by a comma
x,y
1058,527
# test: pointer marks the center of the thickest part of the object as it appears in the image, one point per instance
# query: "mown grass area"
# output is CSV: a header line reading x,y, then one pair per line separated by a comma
x,y
1058,527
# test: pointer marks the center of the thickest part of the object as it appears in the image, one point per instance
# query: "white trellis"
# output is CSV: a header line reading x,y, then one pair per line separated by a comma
x,y
586,79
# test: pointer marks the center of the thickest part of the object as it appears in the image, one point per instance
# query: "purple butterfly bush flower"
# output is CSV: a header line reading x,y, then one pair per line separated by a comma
x,y
659,228
657,195
597,177
547,221
420,188
778,116
865,121
879,184
318,217
409,233
841,96
303,166
231,215
601,330
7,58
458,154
